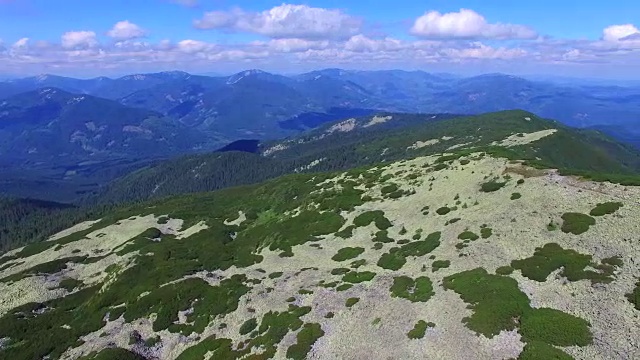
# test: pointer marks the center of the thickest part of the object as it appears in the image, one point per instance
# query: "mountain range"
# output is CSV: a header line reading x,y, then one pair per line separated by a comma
x,y
77,134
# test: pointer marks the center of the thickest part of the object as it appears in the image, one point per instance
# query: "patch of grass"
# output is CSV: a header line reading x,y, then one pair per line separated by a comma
x,y
358,277
305,292
376,321
248,326
576,223
554,327
496,301
414,290
516,196
491,186
552,257
389,189
307,336
392,261
346,232
382,236
537,350
486,232
70,284
344,287
468,235
376,216
351,302
504,270
347,253
605,208
339,271
418,331
440,264
358,263
275,275
443,210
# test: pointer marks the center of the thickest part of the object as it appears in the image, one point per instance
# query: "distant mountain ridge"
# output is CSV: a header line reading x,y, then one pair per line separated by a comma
x,y
259,100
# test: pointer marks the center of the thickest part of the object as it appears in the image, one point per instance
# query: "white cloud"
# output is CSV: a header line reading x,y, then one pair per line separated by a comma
x,y
466,24
292,45
361,43
76,39
194,46
285,21
126,30
21,44
478,50
620,32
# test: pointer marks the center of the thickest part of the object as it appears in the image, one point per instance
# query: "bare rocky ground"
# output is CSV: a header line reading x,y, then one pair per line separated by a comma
x,y
377,326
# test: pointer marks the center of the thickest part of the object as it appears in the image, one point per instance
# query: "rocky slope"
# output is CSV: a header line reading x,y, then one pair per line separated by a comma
x,y
457,257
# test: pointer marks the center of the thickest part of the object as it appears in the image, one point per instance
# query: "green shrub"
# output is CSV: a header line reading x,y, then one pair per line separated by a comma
x,y
605,208
275,275
347,253
339,271
358,277
382,236
537,350
440,264
552,257
520,182
389,189
491,186
346,232
486,232
392,261
70,284
418,331
344,287
443,210
515,196
307,336
496,300
555,328
576,223
351,301
504,270
376,216
414,290
468,235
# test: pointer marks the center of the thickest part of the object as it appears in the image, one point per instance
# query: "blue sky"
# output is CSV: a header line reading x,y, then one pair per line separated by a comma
x,y
111,37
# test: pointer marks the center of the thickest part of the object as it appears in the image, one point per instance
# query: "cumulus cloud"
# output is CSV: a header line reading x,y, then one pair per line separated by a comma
x,y
285,21
361,43
620,32
466,24
76,39
193,46
126,30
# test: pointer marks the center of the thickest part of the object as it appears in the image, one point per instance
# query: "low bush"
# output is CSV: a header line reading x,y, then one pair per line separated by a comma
x,y
576,223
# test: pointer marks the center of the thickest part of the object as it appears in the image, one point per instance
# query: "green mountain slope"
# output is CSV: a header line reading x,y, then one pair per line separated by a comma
x,y
387,137
52,123
456,257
